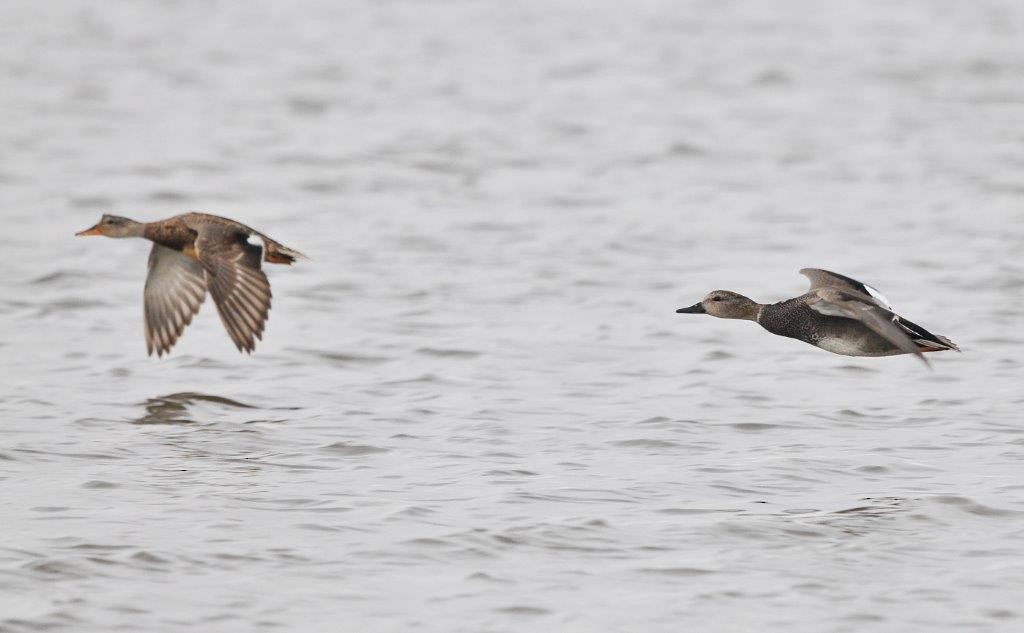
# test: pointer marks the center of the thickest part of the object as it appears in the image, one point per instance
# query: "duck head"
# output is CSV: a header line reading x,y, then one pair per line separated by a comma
x,y
115,226
724,305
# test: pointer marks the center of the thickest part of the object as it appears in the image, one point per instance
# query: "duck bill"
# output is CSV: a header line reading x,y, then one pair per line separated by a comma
x,y
92,230
697,308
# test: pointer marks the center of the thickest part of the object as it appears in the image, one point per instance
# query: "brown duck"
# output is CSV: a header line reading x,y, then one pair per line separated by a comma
x,y
193,253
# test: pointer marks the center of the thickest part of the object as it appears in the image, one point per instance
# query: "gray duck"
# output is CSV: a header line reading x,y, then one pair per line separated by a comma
x,y
838,314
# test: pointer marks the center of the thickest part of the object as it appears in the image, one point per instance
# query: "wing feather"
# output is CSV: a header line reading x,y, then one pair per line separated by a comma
x,y
175,288
827,279
239,287
855,305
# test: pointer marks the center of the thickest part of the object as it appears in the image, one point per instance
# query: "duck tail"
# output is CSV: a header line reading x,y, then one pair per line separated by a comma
x,y
953,346
925,340
941,344
277,253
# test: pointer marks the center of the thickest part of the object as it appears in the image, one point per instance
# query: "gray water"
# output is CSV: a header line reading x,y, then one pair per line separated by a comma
x,y
474,408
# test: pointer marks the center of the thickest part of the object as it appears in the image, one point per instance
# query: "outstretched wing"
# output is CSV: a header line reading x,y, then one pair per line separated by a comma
x,y
827,279
175,288
237,284
855,305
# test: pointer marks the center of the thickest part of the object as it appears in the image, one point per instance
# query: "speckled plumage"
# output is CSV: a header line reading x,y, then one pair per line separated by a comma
x,y
838,314
794,318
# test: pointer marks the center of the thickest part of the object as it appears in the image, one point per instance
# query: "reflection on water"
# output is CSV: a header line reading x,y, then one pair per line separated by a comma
x,y
174,408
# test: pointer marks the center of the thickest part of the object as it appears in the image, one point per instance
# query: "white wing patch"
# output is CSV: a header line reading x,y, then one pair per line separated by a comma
x,y
879,297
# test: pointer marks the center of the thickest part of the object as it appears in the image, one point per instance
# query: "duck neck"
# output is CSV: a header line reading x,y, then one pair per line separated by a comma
x,y
135,229
745,309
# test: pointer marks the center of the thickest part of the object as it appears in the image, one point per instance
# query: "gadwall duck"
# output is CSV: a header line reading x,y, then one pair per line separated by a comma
x,y
193,253
838,314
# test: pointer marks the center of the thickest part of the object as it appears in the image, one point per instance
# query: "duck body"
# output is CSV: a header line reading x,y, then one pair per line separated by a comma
x,y
840,335
174,233
838,314
195,253
180,233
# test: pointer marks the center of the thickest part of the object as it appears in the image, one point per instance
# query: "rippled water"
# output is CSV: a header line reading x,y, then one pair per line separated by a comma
x,y
474,409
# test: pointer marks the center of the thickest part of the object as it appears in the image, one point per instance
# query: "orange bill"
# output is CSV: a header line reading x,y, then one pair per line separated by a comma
x,y
93,230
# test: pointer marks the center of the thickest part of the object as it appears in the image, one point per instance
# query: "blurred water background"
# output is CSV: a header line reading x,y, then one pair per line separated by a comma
x,y
474,409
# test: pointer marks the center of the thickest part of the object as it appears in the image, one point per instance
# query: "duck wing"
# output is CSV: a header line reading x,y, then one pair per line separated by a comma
x,y
175,288
239,287
841,302
827,279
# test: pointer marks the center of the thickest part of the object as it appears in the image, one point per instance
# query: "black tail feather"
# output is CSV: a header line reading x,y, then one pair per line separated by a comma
x,y
924,337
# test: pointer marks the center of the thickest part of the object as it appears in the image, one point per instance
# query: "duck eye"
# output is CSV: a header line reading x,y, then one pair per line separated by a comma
x,y
716,298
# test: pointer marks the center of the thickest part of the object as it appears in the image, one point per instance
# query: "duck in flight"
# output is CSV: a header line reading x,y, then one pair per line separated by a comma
x,y
838,314
194,253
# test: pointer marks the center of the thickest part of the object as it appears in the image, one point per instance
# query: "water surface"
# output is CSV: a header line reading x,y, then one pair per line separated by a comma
x,y
475,409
